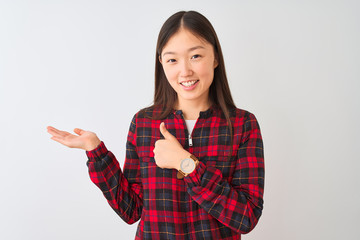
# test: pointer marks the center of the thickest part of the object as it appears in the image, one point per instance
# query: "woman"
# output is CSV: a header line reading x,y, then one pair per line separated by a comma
x,y
194,165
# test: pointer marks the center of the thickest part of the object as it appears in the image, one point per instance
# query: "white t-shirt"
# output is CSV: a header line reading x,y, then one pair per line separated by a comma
x,y
190,124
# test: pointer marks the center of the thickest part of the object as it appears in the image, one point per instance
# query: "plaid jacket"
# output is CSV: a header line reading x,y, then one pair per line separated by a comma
x,y
221,199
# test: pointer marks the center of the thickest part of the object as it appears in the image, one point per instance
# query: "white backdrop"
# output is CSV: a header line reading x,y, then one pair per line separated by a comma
x,y
90,64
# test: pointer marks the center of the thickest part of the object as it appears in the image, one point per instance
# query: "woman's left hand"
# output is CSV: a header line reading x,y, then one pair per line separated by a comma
x,y
168,152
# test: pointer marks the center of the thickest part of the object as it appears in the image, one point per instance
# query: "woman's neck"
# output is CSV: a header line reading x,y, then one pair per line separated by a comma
x,y
191,108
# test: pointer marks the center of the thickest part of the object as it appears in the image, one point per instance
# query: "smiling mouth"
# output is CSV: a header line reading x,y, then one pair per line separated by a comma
x,y
189,83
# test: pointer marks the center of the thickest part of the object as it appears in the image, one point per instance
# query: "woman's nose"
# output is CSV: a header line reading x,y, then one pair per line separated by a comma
x,y
186,69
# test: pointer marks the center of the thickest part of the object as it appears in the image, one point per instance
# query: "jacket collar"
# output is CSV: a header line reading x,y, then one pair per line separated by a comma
x,y
203,114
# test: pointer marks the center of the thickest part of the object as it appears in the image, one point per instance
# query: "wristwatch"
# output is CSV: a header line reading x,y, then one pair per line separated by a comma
x,y
187,166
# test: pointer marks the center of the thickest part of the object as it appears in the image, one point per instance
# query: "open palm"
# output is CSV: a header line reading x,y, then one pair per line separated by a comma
x,y
84,139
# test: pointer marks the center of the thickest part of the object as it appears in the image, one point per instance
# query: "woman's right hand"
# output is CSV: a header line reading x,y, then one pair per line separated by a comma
x,y
84,139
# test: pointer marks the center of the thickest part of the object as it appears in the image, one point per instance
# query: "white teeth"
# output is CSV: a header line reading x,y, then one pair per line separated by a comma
x,y
189,83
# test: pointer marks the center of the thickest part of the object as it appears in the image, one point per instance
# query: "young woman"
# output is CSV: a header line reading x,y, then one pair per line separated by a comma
x,y
194,165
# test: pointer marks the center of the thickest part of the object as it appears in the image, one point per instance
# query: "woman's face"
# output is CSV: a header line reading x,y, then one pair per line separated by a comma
x,y
189,62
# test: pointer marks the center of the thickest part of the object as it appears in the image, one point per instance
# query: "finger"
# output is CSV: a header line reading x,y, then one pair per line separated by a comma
x,y
165,132
59,140
79,131
50,129
53,131
58,133
65,142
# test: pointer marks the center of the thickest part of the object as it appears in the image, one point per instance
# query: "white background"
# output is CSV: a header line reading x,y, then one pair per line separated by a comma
x,y
90,64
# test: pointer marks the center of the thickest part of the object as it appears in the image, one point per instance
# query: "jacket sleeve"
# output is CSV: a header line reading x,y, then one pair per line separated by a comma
x,y
237,204
123,190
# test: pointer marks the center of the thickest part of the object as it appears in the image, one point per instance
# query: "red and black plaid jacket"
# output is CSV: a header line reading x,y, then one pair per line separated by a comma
x,y
221,199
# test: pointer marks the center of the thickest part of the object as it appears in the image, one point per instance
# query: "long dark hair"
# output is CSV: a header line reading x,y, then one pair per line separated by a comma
x,y
165,96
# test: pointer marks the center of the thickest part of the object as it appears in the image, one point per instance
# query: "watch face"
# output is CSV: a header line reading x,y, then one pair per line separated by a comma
x,y
187,165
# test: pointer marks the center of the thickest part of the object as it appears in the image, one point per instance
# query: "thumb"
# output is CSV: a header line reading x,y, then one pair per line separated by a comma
x,y
79,131
164,131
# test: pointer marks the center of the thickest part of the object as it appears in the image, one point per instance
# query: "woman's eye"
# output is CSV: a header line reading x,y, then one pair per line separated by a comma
x,y
171,60
195,56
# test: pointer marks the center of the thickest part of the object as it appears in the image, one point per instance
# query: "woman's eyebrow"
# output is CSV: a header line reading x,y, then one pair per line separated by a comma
x,y
195,48
189,50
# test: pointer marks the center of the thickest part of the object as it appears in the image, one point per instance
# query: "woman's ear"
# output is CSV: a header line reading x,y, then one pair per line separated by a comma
x,y
215,63
160,59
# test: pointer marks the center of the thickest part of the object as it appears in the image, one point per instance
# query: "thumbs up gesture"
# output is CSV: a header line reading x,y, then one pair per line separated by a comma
x,y
168,152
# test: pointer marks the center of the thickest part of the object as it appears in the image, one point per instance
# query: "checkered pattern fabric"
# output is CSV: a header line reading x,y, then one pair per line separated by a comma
x,y
221,199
